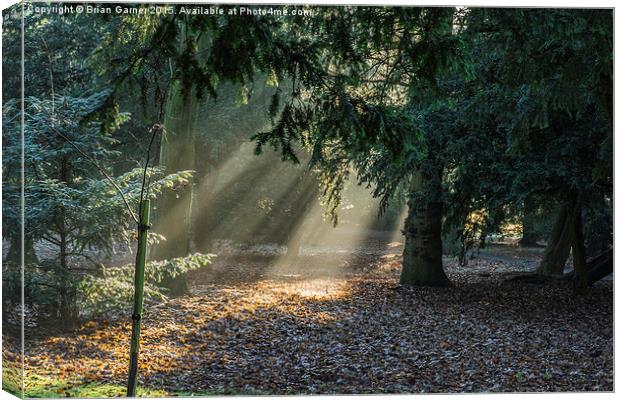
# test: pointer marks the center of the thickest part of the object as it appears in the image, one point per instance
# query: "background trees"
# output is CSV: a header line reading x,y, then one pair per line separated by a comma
x,y
442,106
441,126
553,73
468,117
79,186
494,112
367,115
200,54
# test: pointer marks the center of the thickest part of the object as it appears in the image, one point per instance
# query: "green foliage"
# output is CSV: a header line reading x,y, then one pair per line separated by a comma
x,y
507,103
71,207
201,53
538,106
99,293
360,116
57,56
493,105
41,284
112,288
66,194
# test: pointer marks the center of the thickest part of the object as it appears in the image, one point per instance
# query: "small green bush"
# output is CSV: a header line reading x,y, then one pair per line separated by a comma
x,y
113,288
96,294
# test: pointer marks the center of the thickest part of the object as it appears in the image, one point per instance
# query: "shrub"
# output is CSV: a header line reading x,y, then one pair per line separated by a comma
x,y
100,294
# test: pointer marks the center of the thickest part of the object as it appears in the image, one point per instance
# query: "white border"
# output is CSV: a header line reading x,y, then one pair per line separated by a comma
x,y
480,3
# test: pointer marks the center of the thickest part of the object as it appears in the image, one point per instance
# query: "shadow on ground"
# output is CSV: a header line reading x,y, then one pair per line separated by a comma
x,y
341,324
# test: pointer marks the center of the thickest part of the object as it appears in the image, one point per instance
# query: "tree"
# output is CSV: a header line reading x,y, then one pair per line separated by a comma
x,y
514,101
70,205
551,69
441,106
44,77
365,115
201,55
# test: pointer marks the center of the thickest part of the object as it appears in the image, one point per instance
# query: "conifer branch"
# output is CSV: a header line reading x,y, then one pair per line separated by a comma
x,y
105,174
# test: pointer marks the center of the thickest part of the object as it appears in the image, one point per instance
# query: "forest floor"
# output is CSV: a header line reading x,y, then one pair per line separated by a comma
x,y
340,323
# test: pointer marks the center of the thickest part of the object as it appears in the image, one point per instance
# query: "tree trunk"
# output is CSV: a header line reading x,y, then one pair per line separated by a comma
x,y
600,266
67,294
530,236
67,307
293,245
14,253
558,245
174,208
177,154
422,255
579,253
205,195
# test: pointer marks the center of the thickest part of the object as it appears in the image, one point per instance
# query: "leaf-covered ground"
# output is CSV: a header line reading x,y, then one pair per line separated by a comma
x,y
341,324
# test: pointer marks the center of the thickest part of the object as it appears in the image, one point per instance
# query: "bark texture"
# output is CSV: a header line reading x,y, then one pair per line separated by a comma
x,y
422,255
558,245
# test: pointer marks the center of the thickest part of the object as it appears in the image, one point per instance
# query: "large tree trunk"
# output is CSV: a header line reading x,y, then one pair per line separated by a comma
x,y
422,255
530,236
173,219
205,196
597,267
568,235
177,154
558,245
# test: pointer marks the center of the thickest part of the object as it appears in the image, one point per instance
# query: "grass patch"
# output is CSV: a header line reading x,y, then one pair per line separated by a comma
x,y
12,380
38,386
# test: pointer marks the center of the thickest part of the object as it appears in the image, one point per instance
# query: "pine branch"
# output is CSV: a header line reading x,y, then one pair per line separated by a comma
x,y
105,174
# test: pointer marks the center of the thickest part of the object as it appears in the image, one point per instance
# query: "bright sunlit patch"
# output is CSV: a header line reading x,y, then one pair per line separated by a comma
x,y
320,288
359,232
